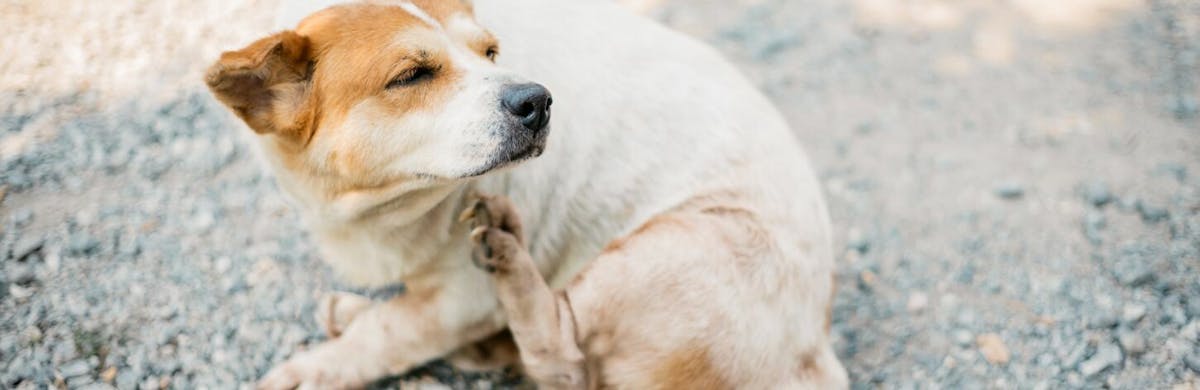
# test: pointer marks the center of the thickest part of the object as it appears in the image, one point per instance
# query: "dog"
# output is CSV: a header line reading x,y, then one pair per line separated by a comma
x,y
672,234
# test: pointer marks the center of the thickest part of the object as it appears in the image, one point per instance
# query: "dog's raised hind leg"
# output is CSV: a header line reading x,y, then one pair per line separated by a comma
x,y
540,319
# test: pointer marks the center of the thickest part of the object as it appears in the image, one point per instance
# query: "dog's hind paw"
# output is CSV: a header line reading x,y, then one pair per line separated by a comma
x,y
495,231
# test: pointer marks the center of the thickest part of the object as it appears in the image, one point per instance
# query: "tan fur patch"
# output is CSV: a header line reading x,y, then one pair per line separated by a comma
x,y
346,74
658,220
494,352
264,84
689,369
808,369
443,10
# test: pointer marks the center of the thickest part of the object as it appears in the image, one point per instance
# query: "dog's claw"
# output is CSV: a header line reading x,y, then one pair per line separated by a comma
x,y
467,214
479,237
482,216
478,234
476,212
472,210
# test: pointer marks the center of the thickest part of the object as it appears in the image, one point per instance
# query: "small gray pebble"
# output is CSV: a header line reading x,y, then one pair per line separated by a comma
x,y
27,245
860,245
168,366
1193,361
1103,320
1128,204
1106,356
22,218
78,382
1132,271
181,382
22,369
1093,223
1074,357
1185,107
963,337
203,219
1009,191
150,383
82,244
1133,313
1193,308
1172,315
1178,171
8,344
127,379
1096,193
1191,331
21,274
86,217
234,284
153,168
866,127
1132,342
75,368
1150,213
1045,359
1095,220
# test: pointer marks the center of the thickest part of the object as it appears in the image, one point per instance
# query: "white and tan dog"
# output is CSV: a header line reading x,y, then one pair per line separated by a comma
x,y
679,229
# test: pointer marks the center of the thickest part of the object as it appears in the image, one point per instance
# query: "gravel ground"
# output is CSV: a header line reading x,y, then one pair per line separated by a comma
x,y
1016,186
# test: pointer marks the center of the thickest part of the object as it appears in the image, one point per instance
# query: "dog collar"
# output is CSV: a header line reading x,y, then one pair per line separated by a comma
x,y
384,293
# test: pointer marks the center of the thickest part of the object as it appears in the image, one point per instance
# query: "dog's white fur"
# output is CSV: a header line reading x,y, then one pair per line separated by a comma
x,y
645,120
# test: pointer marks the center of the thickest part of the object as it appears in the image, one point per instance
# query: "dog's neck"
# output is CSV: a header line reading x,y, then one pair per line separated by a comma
x,y
395,239
380,236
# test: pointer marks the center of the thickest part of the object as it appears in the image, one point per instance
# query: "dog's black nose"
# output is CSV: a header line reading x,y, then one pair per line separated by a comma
x,y
530,103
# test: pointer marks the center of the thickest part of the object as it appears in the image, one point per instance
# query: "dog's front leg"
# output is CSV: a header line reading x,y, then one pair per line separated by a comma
x,y
392,337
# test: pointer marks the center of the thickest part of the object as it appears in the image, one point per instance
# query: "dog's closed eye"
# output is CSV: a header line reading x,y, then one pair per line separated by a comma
x,y
412,76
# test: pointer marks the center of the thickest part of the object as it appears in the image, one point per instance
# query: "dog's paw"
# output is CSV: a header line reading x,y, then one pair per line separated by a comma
x,y
326,367
335,311
495,249
495,231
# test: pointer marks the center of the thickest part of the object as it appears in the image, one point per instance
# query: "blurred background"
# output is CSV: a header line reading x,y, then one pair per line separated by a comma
x,y
1015,185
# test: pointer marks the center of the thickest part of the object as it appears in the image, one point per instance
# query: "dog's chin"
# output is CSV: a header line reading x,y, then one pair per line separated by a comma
x,y
508,157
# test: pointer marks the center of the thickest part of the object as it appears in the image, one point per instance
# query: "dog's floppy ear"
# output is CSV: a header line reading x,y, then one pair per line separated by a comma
x,y
267,84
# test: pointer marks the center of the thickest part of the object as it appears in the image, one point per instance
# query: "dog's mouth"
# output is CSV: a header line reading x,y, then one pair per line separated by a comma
x,y
531,151
512,153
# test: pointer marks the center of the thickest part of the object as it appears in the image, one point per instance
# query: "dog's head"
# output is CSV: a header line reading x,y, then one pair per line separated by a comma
x,y
364,96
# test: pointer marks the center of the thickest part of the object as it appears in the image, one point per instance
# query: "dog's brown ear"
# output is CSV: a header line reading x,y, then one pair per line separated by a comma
x,y
266,84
